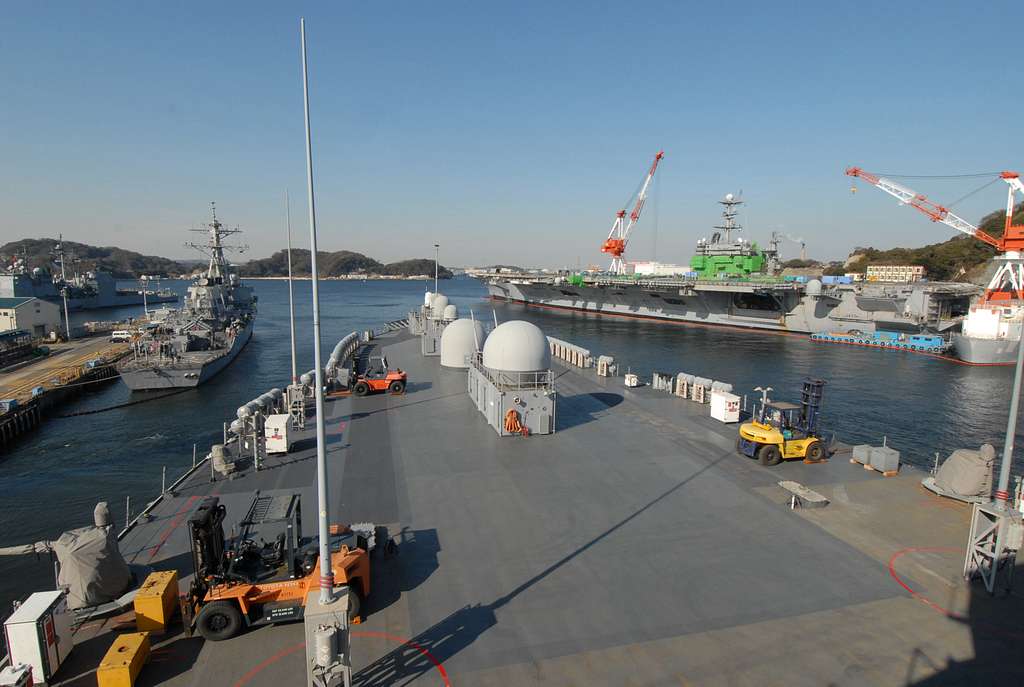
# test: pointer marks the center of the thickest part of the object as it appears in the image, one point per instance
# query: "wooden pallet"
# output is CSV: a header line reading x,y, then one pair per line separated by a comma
x,y
868,466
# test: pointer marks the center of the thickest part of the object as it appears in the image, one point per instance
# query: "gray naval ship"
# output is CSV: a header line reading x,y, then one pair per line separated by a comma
x,y
87,291
733,282
628,545
190,345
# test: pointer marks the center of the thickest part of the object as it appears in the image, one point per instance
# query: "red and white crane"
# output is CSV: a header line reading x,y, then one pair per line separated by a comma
x,y
1008,282
615,244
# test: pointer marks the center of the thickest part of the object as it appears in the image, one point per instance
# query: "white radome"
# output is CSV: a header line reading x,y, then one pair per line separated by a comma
x,y
459,342
517,346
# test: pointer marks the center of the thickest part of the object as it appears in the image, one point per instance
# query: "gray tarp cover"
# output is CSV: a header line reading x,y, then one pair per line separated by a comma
x,y
91,566
967,472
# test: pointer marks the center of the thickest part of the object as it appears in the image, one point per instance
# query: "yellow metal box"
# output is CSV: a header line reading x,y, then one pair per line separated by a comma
x,y
156,600
123,660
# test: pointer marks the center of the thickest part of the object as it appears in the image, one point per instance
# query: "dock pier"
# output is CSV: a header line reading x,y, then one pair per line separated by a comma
x,y
49,382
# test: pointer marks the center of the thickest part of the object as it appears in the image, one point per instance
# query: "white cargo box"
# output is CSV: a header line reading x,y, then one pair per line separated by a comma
x,y
16,677
39,634
725,407
276,429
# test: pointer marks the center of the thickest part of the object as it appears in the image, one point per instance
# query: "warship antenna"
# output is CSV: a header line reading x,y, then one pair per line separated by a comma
x,y
436,247
215,247
326,572
729,213
291,296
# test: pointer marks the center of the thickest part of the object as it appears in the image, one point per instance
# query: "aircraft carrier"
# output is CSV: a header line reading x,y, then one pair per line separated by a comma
x,y
190,345
732,282
631,546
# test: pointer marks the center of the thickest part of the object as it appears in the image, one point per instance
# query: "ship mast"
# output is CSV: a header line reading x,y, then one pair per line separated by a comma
x,y
215,248
730,212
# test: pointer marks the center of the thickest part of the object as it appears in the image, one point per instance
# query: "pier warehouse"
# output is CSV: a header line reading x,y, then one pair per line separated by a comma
x,y
31,314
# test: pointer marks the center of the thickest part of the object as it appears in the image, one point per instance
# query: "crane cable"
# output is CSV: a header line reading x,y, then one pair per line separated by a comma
x,y
977,190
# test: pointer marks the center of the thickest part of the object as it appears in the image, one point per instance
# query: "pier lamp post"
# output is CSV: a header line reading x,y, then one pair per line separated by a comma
x,y
326,571
996,528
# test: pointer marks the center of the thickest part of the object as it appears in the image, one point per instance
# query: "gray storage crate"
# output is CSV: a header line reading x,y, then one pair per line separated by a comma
x,y
862,454
885,459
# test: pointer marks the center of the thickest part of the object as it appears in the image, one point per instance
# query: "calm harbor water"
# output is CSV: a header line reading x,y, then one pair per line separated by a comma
x,y
52,479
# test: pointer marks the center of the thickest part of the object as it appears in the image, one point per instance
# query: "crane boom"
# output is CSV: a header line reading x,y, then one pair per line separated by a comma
x,y
1008,281
615,244
936,212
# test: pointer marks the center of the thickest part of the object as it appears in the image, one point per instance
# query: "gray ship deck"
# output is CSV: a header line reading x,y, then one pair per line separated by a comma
x,y
632,547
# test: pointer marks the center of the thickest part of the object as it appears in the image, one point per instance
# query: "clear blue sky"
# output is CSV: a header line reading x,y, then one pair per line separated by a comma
x,y
507,132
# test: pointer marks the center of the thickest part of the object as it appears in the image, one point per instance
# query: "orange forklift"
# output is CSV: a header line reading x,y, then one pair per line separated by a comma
x,y
378,377
264,574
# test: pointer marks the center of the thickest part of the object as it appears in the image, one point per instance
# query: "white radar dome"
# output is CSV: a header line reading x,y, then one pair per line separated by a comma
x,y
450,312
460,341
517,346
729,196
813,288
438,304
428,298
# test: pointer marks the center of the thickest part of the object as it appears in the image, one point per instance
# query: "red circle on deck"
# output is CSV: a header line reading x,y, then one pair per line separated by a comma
x,y
288,651
916,594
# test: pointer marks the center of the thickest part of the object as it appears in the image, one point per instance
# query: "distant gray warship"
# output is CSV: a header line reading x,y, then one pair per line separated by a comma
x,y
88,291
190,345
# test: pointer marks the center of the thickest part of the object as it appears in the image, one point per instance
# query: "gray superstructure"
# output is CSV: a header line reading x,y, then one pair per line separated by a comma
x,y
192,344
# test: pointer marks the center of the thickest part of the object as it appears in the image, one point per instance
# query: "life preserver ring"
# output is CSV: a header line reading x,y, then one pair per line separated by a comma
x,y
512,423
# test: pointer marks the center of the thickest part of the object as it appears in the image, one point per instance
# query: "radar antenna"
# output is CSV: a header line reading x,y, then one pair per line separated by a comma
x,y
730,212
215,247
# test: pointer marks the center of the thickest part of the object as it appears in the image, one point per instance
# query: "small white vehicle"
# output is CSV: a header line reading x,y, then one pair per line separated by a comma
x,y
120,336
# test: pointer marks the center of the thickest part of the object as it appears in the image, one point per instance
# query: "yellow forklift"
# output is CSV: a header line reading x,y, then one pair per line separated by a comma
x,y
785,431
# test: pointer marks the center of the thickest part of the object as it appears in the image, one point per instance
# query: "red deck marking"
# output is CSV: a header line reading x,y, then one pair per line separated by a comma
x,y
998,630
916,594
288,651
170,527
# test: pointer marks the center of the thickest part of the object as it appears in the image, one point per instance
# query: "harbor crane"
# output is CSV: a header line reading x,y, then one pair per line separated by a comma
x,y
1008,281
615,244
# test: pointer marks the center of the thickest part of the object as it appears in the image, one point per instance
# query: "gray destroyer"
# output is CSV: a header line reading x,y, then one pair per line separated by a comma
x,y
733,282
190,345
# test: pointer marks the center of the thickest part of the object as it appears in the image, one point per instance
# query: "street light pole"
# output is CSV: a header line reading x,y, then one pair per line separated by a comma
x,y
326,571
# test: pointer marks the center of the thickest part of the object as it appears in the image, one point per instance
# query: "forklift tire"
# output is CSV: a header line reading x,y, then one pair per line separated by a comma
x,y
219,620
361,389
814,452
769,454
355,600
397,387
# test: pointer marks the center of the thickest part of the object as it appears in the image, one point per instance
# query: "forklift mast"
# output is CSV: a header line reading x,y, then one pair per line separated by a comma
x,y
206,535
810,404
